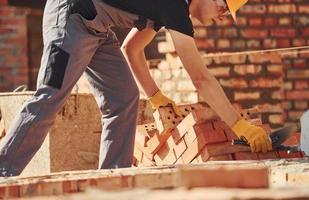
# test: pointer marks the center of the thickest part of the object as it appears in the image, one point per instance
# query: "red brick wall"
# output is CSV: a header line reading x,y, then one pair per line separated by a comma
x,y
262,24
296,85
252,80
13,48
3,2
268,24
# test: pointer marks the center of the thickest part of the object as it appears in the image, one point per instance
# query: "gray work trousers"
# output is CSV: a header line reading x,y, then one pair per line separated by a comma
x,y
76,40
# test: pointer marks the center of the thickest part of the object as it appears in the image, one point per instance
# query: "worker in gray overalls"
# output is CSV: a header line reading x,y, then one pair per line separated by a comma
x,y
78,38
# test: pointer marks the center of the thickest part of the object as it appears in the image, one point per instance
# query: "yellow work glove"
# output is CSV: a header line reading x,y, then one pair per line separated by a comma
x,y
254,135
158,100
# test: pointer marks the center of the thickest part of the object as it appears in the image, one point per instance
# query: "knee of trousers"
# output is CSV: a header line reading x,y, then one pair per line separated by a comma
x,y
121,104
130,100
134,96
131,95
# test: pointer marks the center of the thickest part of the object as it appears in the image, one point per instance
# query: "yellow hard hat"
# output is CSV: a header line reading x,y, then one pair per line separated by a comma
x,y
234,6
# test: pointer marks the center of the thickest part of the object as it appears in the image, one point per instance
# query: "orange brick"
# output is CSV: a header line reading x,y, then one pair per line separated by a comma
x,y
144,150
230,135
221,157
141,136
187,123
166,119
204,114
13,191
285,154
218,149
175,135
252,113
193,149
268,155
219,125
245,156
171,142
146,129
179,161
198,159
210,134
138,154
195,161
207,131
153,144
146,161
293,140
165,156
180,148
225,176
297,135
156,142
69,187
194,118
51,188
2,192
190,136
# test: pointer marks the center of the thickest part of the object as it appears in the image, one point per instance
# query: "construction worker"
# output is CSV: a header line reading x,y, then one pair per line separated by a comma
x,y
78,38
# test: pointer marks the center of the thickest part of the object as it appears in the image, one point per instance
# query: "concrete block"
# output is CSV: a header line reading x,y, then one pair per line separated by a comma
x,y
74,139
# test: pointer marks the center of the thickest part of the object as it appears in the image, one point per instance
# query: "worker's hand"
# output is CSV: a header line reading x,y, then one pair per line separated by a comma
x,y
158,100
254,135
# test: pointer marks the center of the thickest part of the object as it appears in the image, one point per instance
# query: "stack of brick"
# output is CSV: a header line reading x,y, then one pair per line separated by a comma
x,y
195,137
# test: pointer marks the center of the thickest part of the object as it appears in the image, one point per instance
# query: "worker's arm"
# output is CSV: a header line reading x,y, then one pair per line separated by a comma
x,y
206,84
210,90
133,48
